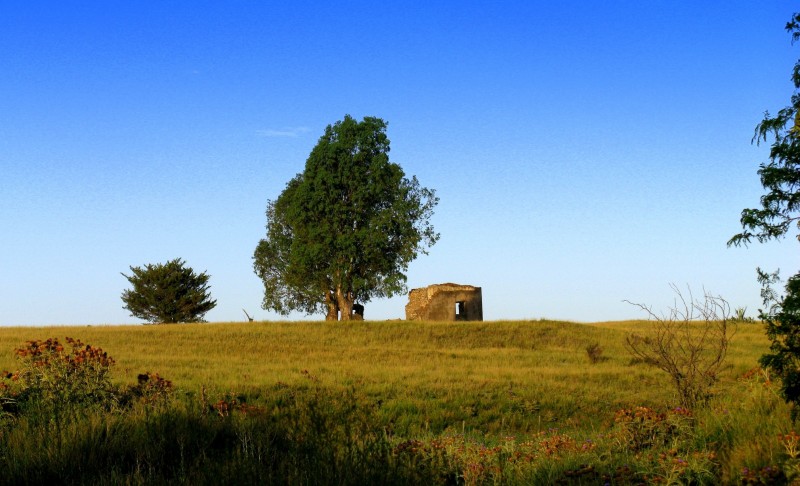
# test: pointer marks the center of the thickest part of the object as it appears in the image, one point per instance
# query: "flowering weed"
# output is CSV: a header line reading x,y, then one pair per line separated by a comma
x,y
57,376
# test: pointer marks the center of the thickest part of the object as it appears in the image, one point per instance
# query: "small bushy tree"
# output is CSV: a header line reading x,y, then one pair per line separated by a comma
x,y
168,293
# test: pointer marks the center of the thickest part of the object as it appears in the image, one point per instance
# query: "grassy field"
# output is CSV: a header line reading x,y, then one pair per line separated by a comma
x,y
479,383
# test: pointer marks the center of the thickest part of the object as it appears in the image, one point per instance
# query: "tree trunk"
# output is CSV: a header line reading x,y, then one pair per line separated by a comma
x,y
345,304
333,308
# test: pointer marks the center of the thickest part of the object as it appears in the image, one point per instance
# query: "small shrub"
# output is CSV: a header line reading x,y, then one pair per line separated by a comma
x,y
151,389
70,377
595,353
643,428
55,375
740,315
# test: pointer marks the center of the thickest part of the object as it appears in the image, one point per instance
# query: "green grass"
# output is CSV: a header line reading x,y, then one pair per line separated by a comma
x,y
427,374
440,374
472,384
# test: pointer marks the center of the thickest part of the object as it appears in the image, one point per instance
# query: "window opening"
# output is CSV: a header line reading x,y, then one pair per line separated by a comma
x,y
461,314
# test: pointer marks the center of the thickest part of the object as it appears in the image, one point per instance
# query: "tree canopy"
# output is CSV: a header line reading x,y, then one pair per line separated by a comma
x,y
780,177
168,293
778,214
346,228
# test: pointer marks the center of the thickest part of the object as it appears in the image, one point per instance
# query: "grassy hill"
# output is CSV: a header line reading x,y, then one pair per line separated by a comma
x,y
482,381
476,374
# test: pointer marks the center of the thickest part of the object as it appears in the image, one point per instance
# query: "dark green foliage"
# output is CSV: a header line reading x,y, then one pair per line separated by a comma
x,y
168,293
779,212
346,229
781,175
782,317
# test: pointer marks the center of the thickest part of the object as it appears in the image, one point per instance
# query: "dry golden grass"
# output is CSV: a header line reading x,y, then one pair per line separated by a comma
x,y
517,375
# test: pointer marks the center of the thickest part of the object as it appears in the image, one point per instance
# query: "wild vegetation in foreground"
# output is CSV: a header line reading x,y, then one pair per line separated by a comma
x,y
534,402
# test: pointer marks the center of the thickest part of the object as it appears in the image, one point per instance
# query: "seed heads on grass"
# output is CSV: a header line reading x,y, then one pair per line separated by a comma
x,y
791,443
740,315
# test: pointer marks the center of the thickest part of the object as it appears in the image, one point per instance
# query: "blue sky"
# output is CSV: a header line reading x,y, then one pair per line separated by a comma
x,y
584,152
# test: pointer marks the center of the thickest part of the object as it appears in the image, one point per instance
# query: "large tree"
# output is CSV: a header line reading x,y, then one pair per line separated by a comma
x,y
778,215
346,228
168,293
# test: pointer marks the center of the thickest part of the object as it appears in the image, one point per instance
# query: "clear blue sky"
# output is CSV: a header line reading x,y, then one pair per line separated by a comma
x,y
584,152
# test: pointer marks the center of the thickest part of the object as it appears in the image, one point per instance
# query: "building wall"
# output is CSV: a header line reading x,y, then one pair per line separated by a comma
x,y
442,302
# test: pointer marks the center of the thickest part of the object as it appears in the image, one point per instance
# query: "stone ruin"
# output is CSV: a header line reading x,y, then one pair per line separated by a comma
x,y
445,302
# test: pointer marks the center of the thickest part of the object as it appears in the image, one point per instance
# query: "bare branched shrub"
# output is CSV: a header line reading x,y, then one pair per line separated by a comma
x,y
689,344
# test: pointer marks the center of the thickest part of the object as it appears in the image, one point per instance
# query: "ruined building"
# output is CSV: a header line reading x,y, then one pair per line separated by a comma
x,y
445,302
